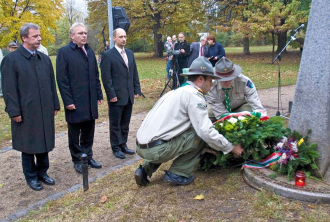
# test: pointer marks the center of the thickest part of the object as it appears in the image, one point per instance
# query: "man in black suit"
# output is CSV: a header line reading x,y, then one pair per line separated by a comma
x,y
79,84
182,58
197,49
121,83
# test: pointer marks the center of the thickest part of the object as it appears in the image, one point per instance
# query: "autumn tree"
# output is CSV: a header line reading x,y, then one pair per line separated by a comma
x,y
16,13
275,17
152,18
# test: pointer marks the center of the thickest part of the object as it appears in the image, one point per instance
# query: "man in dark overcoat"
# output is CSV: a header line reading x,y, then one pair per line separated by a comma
x,y
31,100
79,84
182,58
121,83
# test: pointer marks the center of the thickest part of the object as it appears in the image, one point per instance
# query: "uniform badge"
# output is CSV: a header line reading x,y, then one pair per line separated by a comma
x,y
249,84
201,105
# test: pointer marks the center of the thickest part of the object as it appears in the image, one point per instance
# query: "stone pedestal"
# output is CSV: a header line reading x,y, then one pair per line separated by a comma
x,y
311,106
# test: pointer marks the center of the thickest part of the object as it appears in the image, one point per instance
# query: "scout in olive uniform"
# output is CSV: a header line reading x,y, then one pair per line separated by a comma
x,y
233,92
178,127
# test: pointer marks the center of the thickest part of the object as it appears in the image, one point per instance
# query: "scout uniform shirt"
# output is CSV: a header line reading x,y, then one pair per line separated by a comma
x,y
243,91
176,112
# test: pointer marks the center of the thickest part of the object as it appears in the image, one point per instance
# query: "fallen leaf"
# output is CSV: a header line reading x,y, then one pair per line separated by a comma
x,y
181,220
239,210
1,185
311,206
103,199
232,198
199,197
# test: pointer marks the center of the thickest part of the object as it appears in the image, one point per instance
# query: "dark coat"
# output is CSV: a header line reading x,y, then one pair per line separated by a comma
x,y
182,57
215,50
29,91
118,81
194,52
79,83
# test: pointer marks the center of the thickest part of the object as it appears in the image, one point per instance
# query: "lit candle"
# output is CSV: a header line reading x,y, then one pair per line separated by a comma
x,y
300,178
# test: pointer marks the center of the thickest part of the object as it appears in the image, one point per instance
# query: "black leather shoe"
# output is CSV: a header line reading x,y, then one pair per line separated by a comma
x,y
141,177
94,164
177,180
119,154
35,185
46,179
77,167
125,149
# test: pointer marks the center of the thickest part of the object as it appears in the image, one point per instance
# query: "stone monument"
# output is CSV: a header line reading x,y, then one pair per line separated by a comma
x,y
311,106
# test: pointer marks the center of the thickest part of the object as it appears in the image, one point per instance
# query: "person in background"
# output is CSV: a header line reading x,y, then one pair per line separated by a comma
x,y
182,58
107,46
174,40
215,50
78,80
1,57
29,92
12,46
42,49
169,49
233,92
197,49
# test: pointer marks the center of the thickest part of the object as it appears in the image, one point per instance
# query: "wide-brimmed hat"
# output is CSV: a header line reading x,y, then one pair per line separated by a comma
x,y
13,44
201,66
226,70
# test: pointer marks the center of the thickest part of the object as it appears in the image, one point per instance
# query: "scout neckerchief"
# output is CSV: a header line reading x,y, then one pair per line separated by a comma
x,y
187,84
227,99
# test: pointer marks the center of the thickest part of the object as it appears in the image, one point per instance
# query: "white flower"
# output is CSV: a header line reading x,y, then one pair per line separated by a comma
x,y
221,124
280,145
232,120
295,147
241,118
291,157
284,156
284,139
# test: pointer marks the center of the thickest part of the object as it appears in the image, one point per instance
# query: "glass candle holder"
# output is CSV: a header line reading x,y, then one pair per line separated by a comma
x,y
300,179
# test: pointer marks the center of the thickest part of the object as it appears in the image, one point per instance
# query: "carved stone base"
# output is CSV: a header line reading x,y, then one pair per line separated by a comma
x,y
314,191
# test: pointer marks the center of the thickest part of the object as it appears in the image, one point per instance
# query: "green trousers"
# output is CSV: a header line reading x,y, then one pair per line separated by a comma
x,y
185,148
244,107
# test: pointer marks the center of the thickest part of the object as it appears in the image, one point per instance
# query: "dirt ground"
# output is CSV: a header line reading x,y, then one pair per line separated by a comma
x,y
15,193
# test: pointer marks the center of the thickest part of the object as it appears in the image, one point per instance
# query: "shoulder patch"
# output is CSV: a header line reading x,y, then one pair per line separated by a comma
x,y
249,84
201,105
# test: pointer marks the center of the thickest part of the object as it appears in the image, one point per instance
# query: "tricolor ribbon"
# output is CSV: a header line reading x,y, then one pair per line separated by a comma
x,y
270,160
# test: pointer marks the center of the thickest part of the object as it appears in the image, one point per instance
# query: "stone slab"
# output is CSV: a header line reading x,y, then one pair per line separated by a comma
x,y
314,191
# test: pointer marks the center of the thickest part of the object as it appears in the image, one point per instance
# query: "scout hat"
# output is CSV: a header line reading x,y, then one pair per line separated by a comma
x,y
201,66
226,70
12,44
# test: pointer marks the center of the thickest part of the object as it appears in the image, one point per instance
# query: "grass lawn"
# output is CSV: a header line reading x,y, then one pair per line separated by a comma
x,y
152,75
226,198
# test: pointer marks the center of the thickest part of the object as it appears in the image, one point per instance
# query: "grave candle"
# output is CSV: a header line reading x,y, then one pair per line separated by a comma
x,y
300,179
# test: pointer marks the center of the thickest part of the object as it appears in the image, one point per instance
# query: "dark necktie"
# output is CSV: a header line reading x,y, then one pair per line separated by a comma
x,y
201,50
227,99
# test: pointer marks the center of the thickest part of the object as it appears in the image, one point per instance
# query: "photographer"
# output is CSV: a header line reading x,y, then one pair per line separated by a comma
x,y
182,58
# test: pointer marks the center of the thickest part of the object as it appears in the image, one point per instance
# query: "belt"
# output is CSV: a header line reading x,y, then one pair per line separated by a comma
x,y
151,144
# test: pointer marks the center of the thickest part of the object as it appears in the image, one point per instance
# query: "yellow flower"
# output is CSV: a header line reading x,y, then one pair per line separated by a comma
x,y
300,141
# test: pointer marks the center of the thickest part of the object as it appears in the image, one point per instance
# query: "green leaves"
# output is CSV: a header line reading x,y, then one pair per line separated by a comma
x,y
254,135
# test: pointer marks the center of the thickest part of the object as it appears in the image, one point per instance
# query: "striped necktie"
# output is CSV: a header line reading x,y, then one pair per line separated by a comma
x,y
227,99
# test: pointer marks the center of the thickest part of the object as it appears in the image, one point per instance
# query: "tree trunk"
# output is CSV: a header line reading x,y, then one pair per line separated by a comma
x,y
273,40
281,41
246,48
158,44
